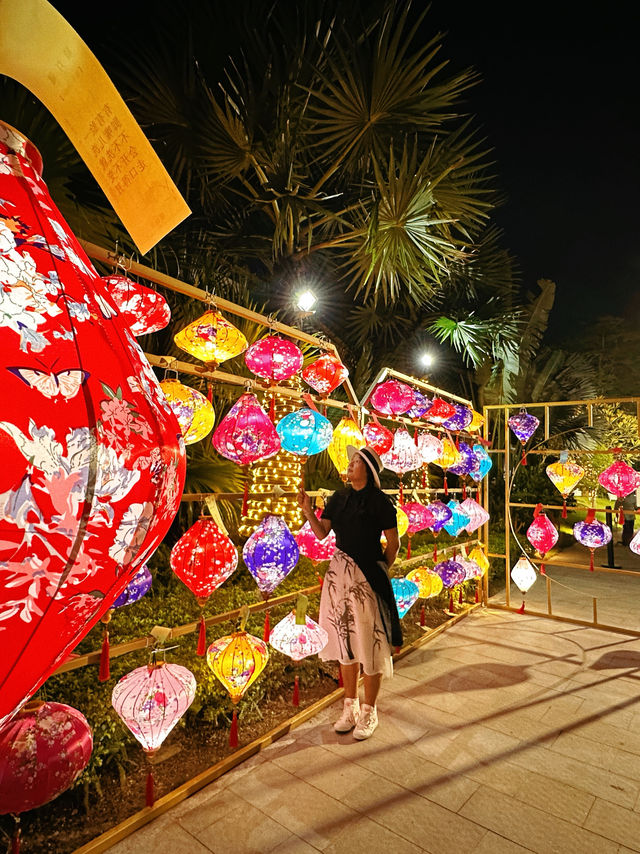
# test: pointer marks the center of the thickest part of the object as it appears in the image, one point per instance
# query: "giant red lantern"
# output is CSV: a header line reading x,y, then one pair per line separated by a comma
x,y
325,374
142,308
92,457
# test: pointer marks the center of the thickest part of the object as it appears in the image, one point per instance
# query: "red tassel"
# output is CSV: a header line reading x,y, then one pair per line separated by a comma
x,y
202,637
415,436
591,561
521,608
150,794
477,594
621,517
457,441
409,547
464,491
15,841
324,410
446,488
233,732
104,673
209,392
524,457
564,508
397,650
435,553
543,571
296,691
451,601
460,597
401,493
267,627
423,620
320,579
245,498
340,680
272,409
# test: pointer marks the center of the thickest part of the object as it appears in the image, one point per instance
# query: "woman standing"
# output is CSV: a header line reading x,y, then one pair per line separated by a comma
x,y
357,606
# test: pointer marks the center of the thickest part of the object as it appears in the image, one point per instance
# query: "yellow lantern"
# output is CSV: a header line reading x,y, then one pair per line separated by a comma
x,y
403,525
212,339
237,660
192,409
345,433
449,455
429,582
476,422
478,556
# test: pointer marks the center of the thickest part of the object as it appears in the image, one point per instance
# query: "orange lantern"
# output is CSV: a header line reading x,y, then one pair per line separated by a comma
x,y
212,339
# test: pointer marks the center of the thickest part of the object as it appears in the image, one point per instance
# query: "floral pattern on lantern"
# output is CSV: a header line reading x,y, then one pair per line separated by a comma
x,y
246,433
478,556
93,463
151,699
305,432
403,455
274,358
43,751
429,582
420,405
523,425
634,545
392,397
466,460
449,455
313,548
345,433
325,374
429,446
459,519
298,640
439,411
619,479
378,437
192,409
138,587
476,422
451,572
203,558
592,534
405,593
142,309
565,476
212,339
237,660
440,513
403,521
483,463
270,553
460,419
419,516
475,513
542,534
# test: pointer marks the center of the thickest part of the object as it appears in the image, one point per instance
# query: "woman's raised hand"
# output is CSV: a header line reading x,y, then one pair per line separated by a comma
x,y
304,501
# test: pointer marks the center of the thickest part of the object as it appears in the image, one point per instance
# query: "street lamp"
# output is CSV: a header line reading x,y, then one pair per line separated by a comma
x,y
426,360
305,302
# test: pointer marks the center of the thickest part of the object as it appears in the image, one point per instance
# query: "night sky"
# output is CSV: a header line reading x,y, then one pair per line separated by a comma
x,y
558,104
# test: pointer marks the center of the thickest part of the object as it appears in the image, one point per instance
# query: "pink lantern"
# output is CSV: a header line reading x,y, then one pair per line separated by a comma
x,y
298,637
246,433
634,545
429,446
619,479
142,309
325,374
43,751
274,358
478,516
313,548
420,518
377,436
542,533
93,462
403,456
392,397
439,411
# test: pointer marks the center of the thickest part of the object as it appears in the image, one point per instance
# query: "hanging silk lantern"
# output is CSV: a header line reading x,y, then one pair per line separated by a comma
x,y
429,582
460,419
192,409
142,309
451,572
274,358
138,587
476,514
203,558
92,461
634,545
212,339
405,593
466,460
313,548
345,433
378,437
440,514
458,521
325,374
619,479
439,411
150,701
448,458
270,553
429,446
392,397
483,463
246,433
476,422
305,432
565,476
420,405
403,521
237,660
592,534
297,637
403,456
523,576
419,517
478,556
523,425
471,569
542,534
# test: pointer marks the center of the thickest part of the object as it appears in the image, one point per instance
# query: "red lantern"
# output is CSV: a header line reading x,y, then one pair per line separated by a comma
x,y
203,559
246,433
619,479
377,436
325,374
542,533
440,411
142,309
274,358
313,548
92,460
392,398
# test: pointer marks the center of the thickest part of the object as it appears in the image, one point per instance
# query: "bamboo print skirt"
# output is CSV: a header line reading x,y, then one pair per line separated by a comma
x,y
349,614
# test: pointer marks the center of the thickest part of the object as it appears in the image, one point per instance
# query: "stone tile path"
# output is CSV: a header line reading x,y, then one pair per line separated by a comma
x,y
506,734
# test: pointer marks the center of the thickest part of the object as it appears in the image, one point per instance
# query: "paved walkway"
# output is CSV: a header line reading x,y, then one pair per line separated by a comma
x,y
505,734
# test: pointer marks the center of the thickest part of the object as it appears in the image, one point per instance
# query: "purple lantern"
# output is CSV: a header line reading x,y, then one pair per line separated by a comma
x,y
139,585
592,534
466,461
451,572
270,553
460,419
420,405
405,592
523,426
482,465
440,514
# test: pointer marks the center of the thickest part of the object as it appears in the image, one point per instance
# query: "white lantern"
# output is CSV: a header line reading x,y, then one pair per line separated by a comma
x,y
523,574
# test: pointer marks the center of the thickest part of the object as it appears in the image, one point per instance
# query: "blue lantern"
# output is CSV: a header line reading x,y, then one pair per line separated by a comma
x,y
483,463
458,521
270,553
136,588
405,592
305,432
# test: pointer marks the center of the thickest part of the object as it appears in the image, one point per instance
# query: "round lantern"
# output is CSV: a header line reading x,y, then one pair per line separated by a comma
x,y
142,309
439,411
270,553
565,476
620,479
138,587
419,518
313,548
458,521
542,534
592,534
246,433
476,514
523,425
203,559
212,339
448,458
237,660
403,456
192,409
43,751
405,593
93,462
429,446
345,433
523,576
420,405
482,465
429,582
440,515
378,437
274,358
460,419
296,639
325,374
392,397
305,432
451,572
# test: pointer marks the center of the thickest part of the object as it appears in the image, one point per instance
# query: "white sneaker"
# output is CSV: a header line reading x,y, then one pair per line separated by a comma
x,y
367,722
349,717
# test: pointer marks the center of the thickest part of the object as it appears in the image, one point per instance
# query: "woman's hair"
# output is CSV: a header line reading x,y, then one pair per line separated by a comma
x,y
370,480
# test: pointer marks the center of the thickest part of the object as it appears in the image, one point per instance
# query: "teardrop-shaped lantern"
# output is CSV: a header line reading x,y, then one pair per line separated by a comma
x,y
405,593
619,479
466,460
142,309
325,374
270,553
523,425
475,513
429,582
439,411
378,437
138,587
592,534
451,572
449,455
274,358
212,339
476,422
305,432
345,433
482,466
523,574
237,660
403,521
542,534
458,521
460,419
203,558
634,545
565,476
246,433
313,548
392,397
429,446
440,514
192,409
298,640
478,556
419,516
